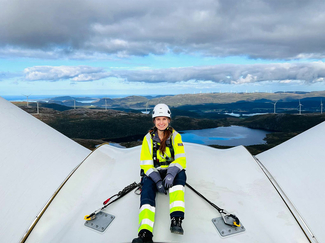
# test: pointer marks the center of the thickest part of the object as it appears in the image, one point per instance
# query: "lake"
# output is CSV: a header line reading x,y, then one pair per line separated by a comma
x,y
226,136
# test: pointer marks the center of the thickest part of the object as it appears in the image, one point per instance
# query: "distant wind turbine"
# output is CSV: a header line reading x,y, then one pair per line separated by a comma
x,y
274,111
321,106
300,105
27,100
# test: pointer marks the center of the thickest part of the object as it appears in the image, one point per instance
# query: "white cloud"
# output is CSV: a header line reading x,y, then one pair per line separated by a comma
x,y
224,74
230,73
243,80
53,73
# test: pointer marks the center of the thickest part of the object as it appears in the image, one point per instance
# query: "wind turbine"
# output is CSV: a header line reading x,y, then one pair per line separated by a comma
x,y
274,111
300,105
27,100
321,106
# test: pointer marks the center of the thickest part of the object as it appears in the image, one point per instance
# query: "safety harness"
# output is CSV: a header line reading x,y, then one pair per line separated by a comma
x,y
155,147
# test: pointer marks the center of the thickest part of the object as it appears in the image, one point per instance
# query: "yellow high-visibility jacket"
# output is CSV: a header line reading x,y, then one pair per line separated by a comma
x,y
146,160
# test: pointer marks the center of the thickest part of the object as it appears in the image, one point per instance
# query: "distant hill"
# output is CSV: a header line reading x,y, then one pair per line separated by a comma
x,y
227,98
256,102
61,98
33,106
213,105
283,122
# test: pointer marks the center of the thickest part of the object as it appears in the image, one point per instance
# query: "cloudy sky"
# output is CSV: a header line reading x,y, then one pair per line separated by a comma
x,y
143,47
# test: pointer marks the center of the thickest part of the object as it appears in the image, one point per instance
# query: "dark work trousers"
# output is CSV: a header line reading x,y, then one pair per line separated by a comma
x,y
149,190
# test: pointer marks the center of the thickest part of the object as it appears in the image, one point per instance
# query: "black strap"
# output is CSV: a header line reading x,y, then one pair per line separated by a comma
x,y
118,196
220,210
170,146
154,154
211,203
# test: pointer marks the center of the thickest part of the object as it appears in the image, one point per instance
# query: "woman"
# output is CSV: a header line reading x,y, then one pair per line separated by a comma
x,y
163,164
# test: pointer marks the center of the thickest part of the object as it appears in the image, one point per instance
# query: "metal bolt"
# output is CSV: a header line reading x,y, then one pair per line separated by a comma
x,y
102,228
96,226
222,232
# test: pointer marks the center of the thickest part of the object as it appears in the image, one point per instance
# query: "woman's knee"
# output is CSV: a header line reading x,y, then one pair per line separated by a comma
x,y
180,178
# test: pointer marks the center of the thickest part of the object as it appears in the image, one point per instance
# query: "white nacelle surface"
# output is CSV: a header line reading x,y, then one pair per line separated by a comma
x,y
229,178
34,161
298,166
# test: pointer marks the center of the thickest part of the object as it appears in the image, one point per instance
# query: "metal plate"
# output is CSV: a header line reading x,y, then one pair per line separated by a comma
x,y
101,222
226,230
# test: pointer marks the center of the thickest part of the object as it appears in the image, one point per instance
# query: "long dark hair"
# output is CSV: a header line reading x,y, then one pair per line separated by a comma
x,y
167,132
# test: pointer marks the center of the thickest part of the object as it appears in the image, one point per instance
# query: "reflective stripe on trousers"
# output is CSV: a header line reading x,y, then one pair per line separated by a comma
x,y
148,200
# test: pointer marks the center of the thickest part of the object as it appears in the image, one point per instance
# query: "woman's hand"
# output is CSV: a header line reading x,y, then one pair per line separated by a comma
x,y
172,171
169,180
160,187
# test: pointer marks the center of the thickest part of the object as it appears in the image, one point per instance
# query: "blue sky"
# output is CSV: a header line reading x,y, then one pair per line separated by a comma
x,y
161,47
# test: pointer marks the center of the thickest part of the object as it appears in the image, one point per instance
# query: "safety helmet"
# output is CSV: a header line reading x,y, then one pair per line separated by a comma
x,y
161,110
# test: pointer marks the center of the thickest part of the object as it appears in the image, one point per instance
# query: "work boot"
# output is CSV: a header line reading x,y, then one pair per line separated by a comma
x,y
176,226
144,236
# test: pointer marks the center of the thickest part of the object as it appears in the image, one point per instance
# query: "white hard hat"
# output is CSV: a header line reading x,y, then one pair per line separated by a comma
x,y
161,110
